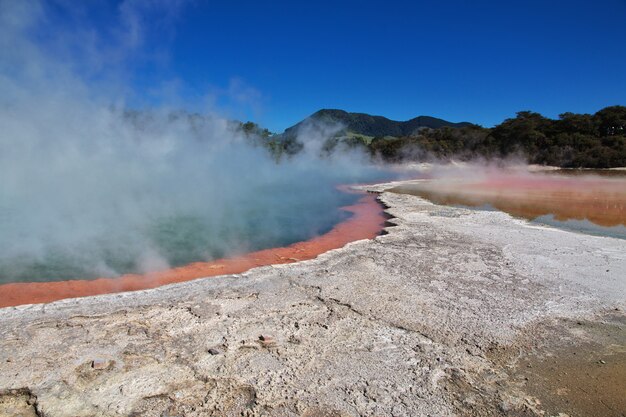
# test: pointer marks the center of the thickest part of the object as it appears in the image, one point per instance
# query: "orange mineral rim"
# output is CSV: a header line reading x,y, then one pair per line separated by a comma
x,y
367,221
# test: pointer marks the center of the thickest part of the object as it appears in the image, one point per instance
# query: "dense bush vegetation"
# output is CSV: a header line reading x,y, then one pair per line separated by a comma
x,y
573,140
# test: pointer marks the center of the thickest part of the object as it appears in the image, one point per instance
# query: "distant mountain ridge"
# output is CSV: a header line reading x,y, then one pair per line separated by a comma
x,y
572,141
377,126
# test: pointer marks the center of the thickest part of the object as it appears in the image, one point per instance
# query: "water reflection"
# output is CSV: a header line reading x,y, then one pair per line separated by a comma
x,y
586,203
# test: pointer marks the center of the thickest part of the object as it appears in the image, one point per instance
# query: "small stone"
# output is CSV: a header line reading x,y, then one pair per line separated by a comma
x,y
602,362
99,363
267,340
504,406
214,351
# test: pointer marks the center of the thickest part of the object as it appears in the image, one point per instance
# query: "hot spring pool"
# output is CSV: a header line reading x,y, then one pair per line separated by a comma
x,y
165,241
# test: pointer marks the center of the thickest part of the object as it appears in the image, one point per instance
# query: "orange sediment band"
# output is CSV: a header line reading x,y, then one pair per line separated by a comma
x,y
600,200
366,222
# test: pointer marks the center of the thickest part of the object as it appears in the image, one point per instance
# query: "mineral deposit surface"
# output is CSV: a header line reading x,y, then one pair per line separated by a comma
x,y
452,312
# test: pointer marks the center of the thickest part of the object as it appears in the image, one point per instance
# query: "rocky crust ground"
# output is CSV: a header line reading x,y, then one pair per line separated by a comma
x,y
449,313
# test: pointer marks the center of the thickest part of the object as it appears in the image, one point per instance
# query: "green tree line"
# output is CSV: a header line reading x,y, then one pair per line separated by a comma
x,y
571,141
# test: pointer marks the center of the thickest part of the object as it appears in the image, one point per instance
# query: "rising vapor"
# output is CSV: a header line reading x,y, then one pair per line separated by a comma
x,y
89,188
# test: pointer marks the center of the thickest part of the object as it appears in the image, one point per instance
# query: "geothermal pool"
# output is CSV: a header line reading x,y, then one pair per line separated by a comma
x,y
130,200
178,238
288,224
577,201
363,219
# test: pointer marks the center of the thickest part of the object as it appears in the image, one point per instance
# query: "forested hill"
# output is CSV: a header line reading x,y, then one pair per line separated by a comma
x,y
367,125
573,140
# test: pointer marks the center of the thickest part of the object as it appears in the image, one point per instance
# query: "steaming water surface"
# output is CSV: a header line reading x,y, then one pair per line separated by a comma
x,y
94,186
113,192
257,222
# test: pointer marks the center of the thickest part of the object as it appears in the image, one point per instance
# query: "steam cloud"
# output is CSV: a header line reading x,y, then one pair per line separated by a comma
x,y
88,188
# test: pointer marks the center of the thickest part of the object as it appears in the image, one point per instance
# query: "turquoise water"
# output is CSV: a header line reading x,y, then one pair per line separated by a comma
x,y
274,217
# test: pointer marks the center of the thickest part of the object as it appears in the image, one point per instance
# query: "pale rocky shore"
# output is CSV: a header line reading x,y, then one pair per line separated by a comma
x,y
452,312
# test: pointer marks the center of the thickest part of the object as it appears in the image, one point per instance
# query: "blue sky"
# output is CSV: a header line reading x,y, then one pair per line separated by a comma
x,y
277,62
